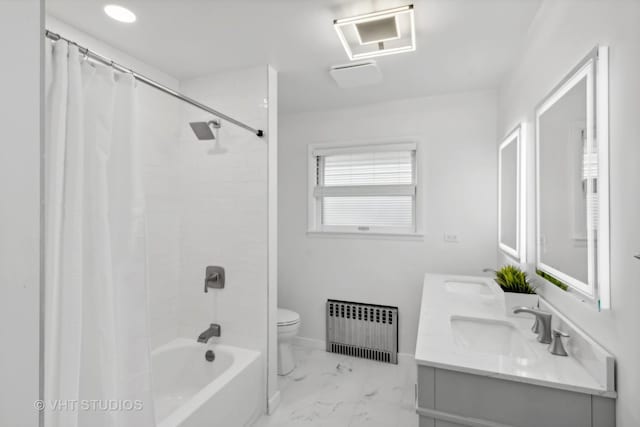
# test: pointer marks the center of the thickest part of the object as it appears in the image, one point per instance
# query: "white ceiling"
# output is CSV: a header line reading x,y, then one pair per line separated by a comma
x,y
461,44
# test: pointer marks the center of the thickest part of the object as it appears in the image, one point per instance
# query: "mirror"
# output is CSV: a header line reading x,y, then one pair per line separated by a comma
x,y
510,195
572,182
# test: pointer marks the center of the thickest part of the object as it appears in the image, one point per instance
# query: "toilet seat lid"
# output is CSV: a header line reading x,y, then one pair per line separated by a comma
x,y
287,317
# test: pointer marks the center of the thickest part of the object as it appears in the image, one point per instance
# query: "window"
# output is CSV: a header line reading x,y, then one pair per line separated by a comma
x,y
363,189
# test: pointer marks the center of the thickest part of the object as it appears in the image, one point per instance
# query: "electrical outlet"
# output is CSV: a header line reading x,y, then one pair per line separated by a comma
x,y
451,238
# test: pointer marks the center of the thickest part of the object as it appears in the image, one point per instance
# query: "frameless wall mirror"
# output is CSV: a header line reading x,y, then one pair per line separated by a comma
x,y
511,212
572,182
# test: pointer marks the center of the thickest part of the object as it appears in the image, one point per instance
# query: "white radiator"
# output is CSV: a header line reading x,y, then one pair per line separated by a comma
x,y
363,330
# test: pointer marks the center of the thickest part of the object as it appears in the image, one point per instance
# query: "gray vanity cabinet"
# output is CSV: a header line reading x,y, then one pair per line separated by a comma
x,y
448,398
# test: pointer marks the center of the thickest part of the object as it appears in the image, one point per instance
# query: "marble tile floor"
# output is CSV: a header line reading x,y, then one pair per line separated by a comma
x,y
329,389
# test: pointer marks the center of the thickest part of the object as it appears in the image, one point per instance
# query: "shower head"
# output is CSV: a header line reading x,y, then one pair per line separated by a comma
x,y
204,130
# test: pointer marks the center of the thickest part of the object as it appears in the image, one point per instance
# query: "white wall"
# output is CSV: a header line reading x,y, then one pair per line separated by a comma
x,y
223,203
21,124
102,47
457,136
562,34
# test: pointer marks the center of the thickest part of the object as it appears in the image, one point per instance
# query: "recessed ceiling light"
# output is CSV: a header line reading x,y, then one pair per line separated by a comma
x,y
120,13
379,33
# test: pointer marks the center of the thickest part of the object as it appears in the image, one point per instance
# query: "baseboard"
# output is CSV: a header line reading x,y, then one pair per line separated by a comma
x,y
406,358
310,343
314,344
273,403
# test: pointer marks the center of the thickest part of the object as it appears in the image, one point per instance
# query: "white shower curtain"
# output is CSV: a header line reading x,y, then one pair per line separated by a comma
x,y
97,368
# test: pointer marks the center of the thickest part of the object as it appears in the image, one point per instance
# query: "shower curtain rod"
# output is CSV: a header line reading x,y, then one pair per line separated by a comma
x,y
97,57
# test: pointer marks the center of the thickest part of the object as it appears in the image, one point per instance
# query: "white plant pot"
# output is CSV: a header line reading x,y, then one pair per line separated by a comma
x,y
512,300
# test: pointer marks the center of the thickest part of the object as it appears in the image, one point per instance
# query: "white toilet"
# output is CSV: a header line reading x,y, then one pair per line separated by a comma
x,y
288,325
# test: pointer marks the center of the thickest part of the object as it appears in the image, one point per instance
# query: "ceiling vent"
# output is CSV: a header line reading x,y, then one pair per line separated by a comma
x,y
356,74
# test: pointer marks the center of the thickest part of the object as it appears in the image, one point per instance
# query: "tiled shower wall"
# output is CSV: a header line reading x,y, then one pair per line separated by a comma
x,y
206,209
223,202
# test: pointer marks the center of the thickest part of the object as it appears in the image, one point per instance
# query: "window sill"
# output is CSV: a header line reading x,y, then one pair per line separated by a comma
x,y
365,235
551,291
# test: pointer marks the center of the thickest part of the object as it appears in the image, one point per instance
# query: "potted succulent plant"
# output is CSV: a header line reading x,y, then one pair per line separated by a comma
x,y
518,292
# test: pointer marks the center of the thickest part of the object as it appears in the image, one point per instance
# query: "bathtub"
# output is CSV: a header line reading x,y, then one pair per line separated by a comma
x,y
189,391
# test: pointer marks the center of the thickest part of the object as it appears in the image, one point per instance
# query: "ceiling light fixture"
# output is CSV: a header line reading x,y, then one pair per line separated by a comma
x,y
379,33
119,13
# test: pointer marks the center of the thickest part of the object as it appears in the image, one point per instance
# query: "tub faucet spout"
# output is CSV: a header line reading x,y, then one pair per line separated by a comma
x,y
212,331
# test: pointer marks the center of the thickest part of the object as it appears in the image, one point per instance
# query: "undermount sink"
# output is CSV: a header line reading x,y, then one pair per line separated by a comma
x,y
489,336
468,287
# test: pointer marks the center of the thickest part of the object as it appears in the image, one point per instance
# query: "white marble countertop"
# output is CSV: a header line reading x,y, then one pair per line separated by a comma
x,y
436,345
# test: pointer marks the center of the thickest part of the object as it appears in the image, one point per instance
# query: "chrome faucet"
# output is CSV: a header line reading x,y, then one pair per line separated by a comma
x,y
542,325
213,331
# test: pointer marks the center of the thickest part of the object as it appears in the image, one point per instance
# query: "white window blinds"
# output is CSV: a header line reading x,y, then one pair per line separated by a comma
x,y
383,211
377,168
366,188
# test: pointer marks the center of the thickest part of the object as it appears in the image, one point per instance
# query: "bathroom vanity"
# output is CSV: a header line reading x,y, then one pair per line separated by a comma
x,y
479,367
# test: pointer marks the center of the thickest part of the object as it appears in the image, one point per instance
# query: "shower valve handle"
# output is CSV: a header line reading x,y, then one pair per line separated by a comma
x,y
214,278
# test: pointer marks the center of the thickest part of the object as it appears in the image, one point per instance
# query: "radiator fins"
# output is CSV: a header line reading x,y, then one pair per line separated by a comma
x,y
364,353
363,330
